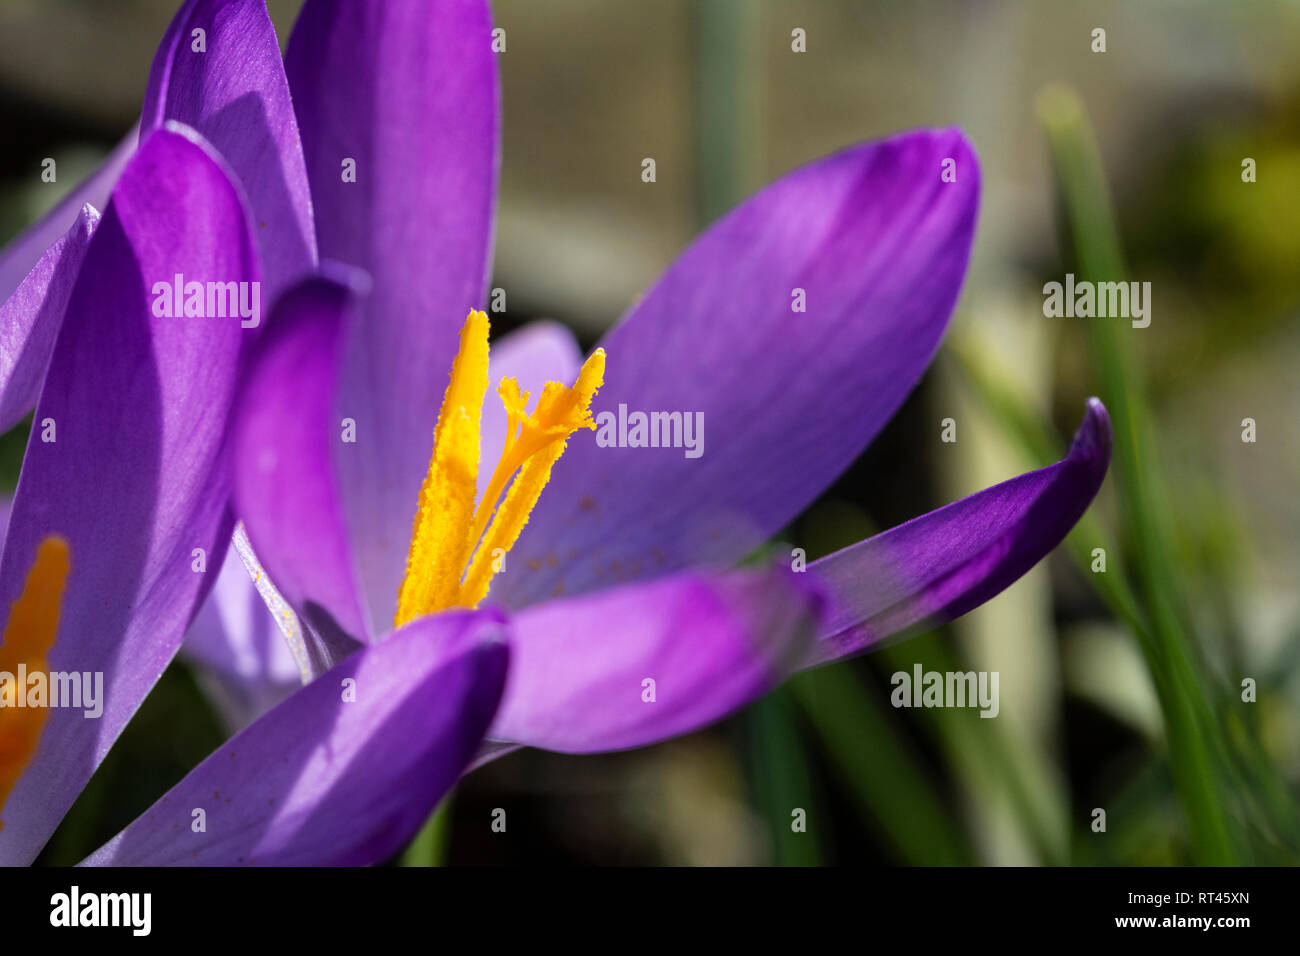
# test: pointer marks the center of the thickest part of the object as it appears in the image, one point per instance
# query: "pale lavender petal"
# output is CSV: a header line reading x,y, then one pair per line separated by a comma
x,y
876,243
241,657
941,565
321,780
21,255
30,319
408,90
235,94
134,480
579,672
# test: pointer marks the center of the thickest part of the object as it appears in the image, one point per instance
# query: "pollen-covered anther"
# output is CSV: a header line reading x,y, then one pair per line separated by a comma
x,y
449,529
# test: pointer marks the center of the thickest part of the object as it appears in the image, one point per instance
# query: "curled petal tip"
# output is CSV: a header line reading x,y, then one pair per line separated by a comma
x,y
356,280
1095,435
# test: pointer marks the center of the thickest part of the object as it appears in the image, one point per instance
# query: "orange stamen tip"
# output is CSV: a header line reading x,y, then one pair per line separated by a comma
x,y
30,632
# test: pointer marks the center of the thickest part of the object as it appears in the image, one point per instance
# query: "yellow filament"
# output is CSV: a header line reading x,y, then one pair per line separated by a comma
x,y
448,528
568,408
29,635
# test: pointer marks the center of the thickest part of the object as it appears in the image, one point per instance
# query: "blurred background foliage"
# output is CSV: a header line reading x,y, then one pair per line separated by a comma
x,y
1119,691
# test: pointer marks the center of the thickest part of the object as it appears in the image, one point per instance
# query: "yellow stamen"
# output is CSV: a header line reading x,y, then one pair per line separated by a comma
x,y
439,548
29,635
543,437
448,528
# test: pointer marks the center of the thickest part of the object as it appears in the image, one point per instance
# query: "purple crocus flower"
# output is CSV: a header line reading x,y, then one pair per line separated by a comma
x,y
125,485
619,562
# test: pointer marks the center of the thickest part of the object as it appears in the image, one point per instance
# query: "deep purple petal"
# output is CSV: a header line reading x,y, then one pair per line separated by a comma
x,y
242,659
710,644
135,479
408,89
289,439
878,243
235,94
30,319
19,257
323,781
939,566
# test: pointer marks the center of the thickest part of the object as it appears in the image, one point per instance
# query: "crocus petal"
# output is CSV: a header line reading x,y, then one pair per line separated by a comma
x,y
874,244
30,319
538,353
939,566
235,93
133,479
323,780
288,441
242,660
580,673
407,90
19,257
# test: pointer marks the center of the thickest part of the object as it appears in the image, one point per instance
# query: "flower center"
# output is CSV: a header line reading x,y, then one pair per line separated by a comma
x,y
29,635
456,547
